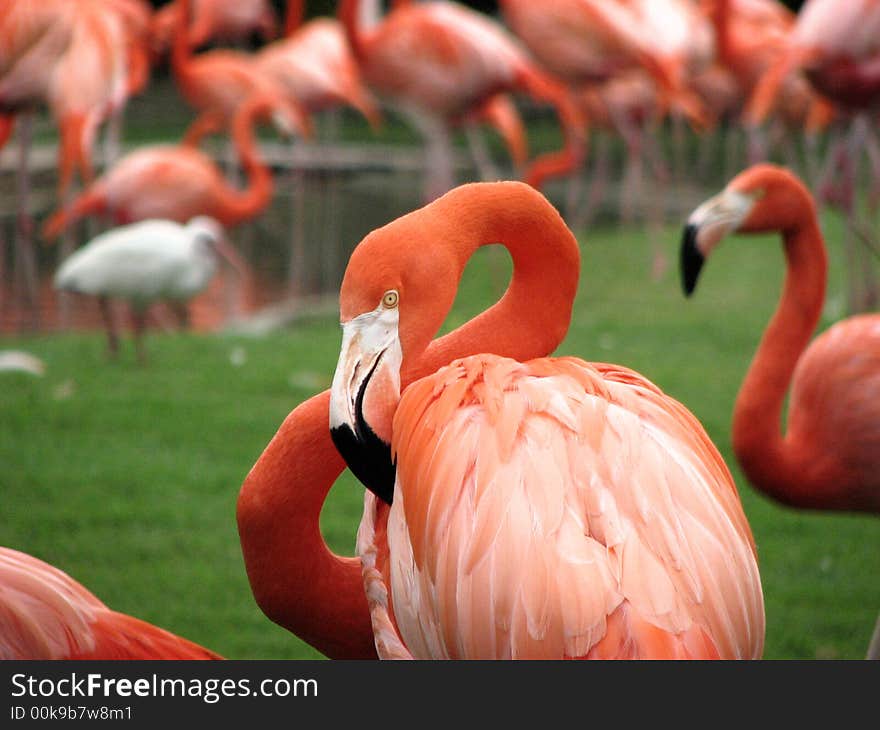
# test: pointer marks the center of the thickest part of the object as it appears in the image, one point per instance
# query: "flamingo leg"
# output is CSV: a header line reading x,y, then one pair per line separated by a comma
x,y
486,168
440,176
26,262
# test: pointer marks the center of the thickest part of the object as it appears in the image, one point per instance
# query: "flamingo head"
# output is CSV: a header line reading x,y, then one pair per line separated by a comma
x,y
399,285
761,199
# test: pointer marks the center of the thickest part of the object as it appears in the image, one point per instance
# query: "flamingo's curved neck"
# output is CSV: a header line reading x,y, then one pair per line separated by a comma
x,y
719,14
293,17
239,205
181,51
297,581
761,449
532,317
358,17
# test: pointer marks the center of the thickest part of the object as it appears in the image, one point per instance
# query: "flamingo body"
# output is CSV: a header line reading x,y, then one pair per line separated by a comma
x,y
45,614
834,412
177,182
522,507
315,66
559,509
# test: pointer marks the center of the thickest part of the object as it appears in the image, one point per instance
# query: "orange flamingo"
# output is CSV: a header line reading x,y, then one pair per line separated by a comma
x,y
216,82
313,63
177,182
837,47
438,61
588,41
45,614
215,20
829,456
569,509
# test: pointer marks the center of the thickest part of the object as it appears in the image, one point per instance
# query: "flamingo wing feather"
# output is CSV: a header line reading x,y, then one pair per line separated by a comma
x,y
554,508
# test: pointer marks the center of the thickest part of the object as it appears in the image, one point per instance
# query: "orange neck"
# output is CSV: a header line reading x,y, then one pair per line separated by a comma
x,y
293,18
240,205
349,14
532,317
181,52
767,458
296,580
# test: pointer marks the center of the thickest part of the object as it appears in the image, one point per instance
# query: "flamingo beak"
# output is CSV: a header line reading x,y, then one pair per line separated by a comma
x,y
705,229
364,396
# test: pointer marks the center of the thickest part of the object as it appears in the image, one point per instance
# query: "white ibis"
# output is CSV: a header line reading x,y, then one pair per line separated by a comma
x,y
145,262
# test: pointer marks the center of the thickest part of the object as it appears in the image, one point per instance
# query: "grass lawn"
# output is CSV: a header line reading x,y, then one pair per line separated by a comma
x,y
127,476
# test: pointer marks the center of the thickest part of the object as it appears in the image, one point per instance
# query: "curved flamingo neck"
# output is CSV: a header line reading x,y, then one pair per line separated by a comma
x,y
181,51
770,460
532,317
294,16
238,205
719,15
295,578
358,19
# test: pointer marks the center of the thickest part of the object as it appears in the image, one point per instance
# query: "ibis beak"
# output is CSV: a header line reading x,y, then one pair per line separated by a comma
x,y
231,256
363,397
705,229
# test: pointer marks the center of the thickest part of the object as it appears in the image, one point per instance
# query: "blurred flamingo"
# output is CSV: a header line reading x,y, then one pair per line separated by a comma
x,y
146,262
217,82
439,61
587,41
45,614
837,47
177,182
535,559
314,64
215,20
829,456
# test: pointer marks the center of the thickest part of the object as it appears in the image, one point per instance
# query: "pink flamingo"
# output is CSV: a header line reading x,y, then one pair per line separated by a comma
x,y
45,614
828,458
438,61
567,508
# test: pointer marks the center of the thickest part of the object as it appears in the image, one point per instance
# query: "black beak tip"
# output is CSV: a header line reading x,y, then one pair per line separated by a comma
x,y
691,259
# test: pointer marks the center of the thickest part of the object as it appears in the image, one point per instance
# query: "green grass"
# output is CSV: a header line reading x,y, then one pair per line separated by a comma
x,y
127,476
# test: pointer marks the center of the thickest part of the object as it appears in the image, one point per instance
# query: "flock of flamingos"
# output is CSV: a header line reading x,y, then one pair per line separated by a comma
x,y
517,505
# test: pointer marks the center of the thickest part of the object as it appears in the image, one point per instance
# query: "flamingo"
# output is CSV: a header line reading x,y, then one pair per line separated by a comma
x,y
45,614
215,20
836,46
438,61
829,456
217,82
314,64
569,508
585,42
145,262
177,182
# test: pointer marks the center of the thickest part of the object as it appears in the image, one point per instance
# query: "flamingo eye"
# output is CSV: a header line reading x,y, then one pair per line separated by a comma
x,y
390,299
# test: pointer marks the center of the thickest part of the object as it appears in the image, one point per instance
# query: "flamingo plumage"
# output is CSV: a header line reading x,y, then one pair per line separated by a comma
x,y
315,66
178,182
46,614
439,61
215,21
493,550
